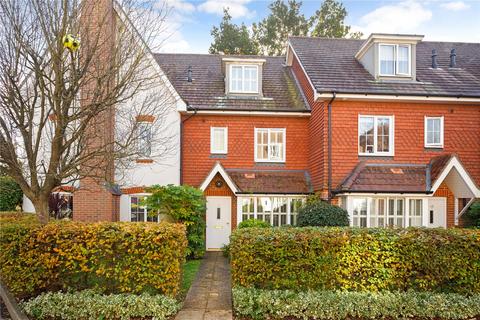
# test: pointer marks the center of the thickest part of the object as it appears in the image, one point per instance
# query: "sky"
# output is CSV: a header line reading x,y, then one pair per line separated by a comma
x,y
190,22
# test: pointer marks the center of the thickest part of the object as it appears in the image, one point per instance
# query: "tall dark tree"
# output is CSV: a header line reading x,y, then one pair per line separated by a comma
x,y
329,21
230,38
271,34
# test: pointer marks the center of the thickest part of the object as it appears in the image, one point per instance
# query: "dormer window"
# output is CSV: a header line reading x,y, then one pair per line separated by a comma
x,y
243,78
394,60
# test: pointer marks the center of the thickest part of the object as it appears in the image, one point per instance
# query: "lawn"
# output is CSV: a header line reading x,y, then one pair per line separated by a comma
x,y
189,272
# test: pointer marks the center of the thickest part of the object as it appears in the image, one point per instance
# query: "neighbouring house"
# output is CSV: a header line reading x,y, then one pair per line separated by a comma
x,y
387,128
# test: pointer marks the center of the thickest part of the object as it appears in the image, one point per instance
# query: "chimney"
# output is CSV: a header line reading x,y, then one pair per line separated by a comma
x,y
189,74
453,59
434,59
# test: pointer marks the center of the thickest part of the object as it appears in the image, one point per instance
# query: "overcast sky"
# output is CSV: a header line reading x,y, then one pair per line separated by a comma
x,y
191,21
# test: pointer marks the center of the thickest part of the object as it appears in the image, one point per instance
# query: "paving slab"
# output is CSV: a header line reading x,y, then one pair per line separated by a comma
x,y
210,295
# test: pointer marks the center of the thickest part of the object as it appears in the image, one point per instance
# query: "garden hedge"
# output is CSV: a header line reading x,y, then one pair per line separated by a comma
x,y
88,305
340,305
357,259
107,257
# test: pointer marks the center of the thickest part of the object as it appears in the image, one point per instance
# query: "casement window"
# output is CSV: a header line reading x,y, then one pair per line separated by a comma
x,y
433,132
138,213
277,211
386,212
394,60
375,135
144,139
415,212
218,140
243,79
269,145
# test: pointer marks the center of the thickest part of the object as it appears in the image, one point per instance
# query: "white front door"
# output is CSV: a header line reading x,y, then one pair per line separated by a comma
x,y
218,221
437,213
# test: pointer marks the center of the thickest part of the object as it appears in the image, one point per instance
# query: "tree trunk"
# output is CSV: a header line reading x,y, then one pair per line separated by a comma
x,y
42,209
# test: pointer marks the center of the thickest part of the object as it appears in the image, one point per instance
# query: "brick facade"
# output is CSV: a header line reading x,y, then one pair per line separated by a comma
x,y
444,191
197,160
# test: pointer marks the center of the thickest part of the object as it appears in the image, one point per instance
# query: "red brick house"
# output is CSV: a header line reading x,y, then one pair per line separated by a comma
x,y
382,127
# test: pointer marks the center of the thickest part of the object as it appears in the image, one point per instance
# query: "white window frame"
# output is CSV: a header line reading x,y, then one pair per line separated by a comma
x,y
142,154
243,78
391,138
395,54
269,130
145,211
255,207
434,145
224,150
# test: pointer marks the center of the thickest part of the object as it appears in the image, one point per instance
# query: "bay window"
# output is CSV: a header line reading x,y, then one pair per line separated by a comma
x,y
394,60
375,135
415,213
269,145
275,210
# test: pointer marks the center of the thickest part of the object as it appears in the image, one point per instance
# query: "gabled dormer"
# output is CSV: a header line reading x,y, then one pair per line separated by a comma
x,y
390,57
243,76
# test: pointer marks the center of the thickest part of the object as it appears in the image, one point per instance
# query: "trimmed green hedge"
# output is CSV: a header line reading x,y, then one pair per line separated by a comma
x,y
319,213
253,223
10,194
88,305
337,305
357,259
107,257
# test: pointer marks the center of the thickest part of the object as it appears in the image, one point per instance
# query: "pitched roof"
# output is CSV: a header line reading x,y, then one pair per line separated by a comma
x,y
207,90
331,66
271,181
386,178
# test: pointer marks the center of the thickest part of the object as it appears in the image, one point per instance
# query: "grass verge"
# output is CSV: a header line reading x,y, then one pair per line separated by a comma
x,y
190,270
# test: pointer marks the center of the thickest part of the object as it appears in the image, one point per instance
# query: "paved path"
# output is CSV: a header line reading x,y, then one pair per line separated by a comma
x,y
210,296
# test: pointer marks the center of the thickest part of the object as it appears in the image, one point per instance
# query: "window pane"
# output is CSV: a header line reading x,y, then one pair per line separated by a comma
x,y
236,81
387,60
144,142
383,132
219,140
433,131
403,59
366,135
360,212
251,79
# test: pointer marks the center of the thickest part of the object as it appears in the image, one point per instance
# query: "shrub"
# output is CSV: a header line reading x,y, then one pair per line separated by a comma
x,y
318,213
87,304
184,204
473,215
10,194
357,259
107,257
337,305
253,223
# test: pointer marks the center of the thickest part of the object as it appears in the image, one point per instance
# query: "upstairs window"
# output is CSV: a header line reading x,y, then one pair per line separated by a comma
x,y
218,140
433,132
243,79
394,60
269,145
144,140
375,135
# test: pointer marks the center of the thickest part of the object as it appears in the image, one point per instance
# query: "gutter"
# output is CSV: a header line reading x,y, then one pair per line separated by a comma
x,y
181,139
330,146
380,192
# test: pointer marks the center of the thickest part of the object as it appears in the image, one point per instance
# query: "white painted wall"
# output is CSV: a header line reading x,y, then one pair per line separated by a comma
x,y
27,205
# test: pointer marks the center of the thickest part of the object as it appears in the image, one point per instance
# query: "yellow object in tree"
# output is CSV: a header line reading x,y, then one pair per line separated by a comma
x,y
71,43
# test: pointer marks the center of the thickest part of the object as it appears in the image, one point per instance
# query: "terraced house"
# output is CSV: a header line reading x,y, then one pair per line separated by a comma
x,y
387,128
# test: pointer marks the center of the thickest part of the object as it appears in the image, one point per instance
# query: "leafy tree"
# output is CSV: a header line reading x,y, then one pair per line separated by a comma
x,y
10,193
231,38
329,21
184,204
473,215
271,34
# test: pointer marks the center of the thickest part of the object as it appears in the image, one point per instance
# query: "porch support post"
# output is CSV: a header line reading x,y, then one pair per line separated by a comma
x,y
455,211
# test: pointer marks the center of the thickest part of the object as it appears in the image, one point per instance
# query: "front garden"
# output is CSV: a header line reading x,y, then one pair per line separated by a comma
x,y
349,273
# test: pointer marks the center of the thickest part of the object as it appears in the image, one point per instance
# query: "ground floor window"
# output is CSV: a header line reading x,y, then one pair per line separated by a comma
x,y
138,213
386,212
277,211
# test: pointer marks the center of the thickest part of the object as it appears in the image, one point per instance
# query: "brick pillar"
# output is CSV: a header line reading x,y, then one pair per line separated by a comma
x,y
94,201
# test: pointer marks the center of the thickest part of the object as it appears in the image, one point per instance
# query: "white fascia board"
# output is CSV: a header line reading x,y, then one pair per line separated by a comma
x,y
252,113
218,168
370,194
315,93
181,105
381,37
243,59
373,97
454,162
290,195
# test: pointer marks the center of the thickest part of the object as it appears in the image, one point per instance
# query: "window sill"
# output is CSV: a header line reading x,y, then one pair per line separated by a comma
x,y
218,156
433,148
375,156
270,163
144,161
